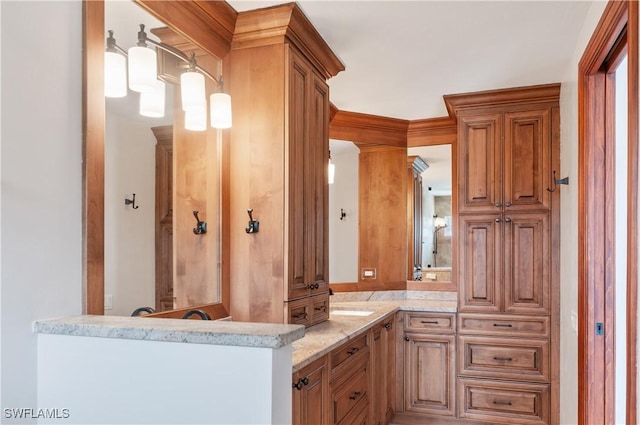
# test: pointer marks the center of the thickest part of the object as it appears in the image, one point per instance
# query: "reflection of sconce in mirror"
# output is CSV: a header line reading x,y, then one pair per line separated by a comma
x,y
201,226
331,170
438,223
143,78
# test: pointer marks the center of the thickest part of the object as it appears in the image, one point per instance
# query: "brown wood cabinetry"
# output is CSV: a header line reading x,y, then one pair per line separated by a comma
x,y
382,371
508,150
278,156
426,357
311,394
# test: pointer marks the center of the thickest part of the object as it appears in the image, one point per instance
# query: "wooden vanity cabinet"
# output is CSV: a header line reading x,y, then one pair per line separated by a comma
x,y
311,394
426,357
278,156
382,371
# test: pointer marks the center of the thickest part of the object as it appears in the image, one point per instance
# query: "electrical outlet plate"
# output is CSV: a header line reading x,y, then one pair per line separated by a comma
x,y
368,273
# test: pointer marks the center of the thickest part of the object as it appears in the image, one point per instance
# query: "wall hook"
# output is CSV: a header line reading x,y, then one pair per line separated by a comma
x,y
201,226
254,225
132,202
557,182
343,214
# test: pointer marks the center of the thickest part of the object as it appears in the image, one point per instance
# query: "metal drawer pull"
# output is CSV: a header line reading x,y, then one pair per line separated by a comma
x,y
430,322
353,351
300,316
502,403
355,395
321,308
301,383
503,325
506,359
387,325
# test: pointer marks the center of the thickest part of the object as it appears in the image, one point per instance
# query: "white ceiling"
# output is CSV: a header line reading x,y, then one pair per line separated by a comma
x,y
401,57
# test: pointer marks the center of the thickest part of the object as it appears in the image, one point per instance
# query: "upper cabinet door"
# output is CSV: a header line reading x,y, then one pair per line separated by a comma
x,y
526,160
479,163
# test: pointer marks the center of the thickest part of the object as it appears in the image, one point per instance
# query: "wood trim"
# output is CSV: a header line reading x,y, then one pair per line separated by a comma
x,y
595,278
216,311
286,23
413,285
209,24
529,95
432,131
368,286
370,129
633,52
93,145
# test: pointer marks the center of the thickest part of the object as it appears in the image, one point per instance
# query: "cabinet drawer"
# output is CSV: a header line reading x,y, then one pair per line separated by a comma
x,y
350,394
319,308
503,402
430,322
299,312
349,350
520,359
502,324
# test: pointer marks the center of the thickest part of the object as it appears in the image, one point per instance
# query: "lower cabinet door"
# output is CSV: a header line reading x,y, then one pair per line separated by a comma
x,y
429,374
311,394
503,402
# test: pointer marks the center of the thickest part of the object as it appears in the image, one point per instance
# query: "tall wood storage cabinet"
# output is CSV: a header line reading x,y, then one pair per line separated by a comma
x,y
278,157
508,151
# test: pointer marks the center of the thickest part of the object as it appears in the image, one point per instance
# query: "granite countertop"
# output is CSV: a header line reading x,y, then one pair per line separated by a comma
x,y
261,335
322,338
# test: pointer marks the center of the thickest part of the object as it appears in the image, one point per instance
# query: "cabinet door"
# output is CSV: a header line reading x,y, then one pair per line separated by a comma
x,y
317,212
382,371
479,163
311,394
429,374
480,263
299,78
527,261
527,160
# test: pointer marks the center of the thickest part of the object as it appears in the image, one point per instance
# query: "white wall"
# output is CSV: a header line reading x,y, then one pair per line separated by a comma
x,y
569,225
41,181
129,250
343,234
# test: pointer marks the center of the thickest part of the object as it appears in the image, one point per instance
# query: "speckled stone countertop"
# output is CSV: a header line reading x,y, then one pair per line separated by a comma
x,y
262,335
322,338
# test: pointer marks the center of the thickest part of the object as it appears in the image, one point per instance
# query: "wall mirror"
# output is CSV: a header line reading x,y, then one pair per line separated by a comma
x,y
430,213
152,257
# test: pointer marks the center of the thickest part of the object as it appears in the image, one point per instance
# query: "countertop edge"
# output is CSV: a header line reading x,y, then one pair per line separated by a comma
x,y
241,334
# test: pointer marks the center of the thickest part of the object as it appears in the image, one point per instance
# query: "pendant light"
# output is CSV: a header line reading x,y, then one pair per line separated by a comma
x,y
143,64
192,89
196,119
115,74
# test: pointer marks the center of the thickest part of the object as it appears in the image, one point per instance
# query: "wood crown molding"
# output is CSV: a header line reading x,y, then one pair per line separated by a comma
x,y
530,94
210,24
286,23
368,129
432,131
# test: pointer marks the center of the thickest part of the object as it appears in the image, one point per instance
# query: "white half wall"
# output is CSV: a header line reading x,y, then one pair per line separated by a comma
x,y
569,224
41,182
123,381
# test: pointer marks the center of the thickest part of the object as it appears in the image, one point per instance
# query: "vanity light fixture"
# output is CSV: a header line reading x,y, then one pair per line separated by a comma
x,y
143,78
332,170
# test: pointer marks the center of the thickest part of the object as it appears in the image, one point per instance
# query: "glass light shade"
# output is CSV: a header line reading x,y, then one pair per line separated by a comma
x,y
332,172
196,119
220,105
143,68
152,101
439,222
115,75
192,90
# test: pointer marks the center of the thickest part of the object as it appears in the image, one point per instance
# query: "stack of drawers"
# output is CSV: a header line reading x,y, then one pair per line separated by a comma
x,y
349,382
504,368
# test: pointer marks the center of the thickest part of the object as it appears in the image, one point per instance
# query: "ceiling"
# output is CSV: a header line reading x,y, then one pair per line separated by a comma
x,y
401,57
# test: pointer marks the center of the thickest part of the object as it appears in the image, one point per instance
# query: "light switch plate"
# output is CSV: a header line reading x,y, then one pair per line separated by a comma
x,y
368,273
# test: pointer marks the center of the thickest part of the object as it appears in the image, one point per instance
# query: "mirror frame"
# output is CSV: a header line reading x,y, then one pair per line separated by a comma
x,y
208,25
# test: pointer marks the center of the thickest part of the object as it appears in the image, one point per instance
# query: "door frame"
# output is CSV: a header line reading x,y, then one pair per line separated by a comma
x,y
596,302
